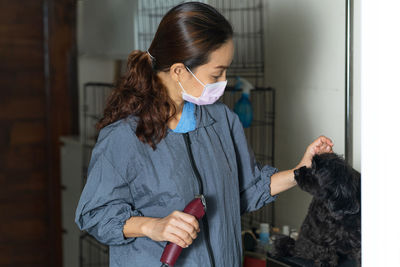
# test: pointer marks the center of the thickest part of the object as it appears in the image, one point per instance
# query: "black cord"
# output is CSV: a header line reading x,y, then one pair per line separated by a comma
x,y
164,265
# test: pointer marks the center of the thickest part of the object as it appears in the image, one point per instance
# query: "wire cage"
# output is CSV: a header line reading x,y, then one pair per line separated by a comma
x,y
94,98
92,253
260,137
246,18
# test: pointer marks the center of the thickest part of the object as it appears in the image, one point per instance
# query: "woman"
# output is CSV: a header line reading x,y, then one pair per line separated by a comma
x,y
164,139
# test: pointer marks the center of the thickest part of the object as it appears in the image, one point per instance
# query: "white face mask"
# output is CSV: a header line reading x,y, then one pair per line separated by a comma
x,y
211,92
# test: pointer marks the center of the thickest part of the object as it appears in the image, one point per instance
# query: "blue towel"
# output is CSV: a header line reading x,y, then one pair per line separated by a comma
x,y
187,122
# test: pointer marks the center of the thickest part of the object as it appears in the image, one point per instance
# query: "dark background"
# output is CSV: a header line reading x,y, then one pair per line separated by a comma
x,y
38,103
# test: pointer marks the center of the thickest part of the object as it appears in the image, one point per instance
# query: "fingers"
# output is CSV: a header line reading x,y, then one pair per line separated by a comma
x,y
321,145
324,139
186,227
182,237
325,149
172,237
183,228
189,219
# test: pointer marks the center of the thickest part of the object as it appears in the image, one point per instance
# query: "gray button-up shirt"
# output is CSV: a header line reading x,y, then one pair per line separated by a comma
x,y
128,178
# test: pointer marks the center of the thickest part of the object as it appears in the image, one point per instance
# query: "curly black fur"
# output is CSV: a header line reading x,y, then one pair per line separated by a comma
x,y
283,246
332,227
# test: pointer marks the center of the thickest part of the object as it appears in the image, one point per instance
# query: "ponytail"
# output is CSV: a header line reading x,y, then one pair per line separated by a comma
x,y
187,34
141,93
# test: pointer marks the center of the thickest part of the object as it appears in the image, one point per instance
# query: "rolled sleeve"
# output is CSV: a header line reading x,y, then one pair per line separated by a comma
x,y
105,203
257,193
254,180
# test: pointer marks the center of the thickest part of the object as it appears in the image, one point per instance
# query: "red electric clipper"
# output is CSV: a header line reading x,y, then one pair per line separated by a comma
x,y
197,208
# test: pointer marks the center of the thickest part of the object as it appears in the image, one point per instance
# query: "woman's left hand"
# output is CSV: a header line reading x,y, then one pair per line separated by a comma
x,y
320,145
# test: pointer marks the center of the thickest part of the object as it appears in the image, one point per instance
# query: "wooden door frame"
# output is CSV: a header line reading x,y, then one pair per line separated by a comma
x,y
61,92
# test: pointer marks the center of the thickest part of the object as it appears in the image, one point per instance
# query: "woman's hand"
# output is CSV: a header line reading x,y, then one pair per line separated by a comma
x,y
284,180
178,227
321,145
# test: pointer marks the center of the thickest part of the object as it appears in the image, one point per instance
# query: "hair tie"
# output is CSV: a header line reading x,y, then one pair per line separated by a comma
x,y
153,58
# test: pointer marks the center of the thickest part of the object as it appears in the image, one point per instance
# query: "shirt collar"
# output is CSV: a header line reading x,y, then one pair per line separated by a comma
x,y
203,116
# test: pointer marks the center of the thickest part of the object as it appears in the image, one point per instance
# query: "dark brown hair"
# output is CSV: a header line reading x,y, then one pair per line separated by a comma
x,y
187,34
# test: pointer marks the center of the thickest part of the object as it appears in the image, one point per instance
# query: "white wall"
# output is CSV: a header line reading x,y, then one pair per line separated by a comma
x,y
305,63
380,57
92,69
105,33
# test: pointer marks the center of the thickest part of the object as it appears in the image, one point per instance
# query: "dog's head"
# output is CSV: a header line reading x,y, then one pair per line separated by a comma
x,y
332,180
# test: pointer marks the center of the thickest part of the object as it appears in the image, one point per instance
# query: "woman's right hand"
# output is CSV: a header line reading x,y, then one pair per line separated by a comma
x,y
178,227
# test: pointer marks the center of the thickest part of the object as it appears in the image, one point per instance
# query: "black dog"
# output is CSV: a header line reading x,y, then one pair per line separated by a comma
x,y
331,230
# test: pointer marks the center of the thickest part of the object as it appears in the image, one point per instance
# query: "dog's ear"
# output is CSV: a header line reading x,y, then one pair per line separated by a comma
x,y
300,172
300,175
345,197
306,180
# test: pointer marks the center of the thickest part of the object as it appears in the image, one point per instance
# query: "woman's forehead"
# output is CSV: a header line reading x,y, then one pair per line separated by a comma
x,y
222,57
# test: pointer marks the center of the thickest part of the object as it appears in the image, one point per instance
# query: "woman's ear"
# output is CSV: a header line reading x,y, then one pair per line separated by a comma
x,y
178,72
